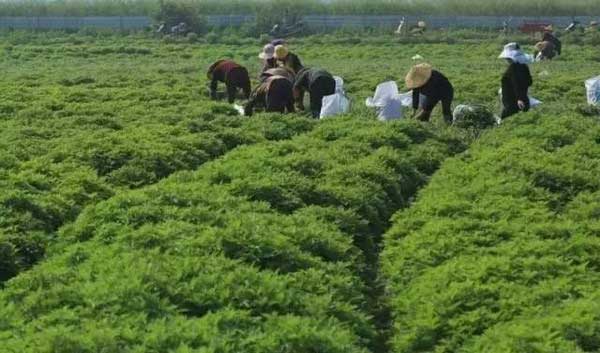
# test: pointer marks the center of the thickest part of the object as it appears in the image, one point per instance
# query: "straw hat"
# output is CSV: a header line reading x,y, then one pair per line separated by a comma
x,y
593,23
539,46
281,52
268,52
421,24
418,76
548,28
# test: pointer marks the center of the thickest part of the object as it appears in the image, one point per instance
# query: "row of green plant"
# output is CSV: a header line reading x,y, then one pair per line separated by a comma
x,y
501,251
270,248
68,140
333,7
145,42
124,112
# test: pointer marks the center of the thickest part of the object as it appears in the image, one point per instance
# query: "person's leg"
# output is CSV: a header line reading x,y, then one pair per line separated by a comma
x,y
237,78
509,110
280,91
231,91
423,115
447,109
427,105
213,89
322,87
245,83
316,101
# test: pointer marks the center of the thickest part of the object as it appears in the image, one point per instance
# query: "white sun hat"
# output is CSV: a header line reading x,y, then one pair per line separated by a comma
x,y
268,52
513,52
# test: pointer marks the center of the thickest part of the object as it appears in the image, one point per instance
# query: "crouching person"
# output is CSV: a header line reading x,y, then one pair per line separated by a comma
x,y
319,83
515,81
274,94
432,84
544,51
233,75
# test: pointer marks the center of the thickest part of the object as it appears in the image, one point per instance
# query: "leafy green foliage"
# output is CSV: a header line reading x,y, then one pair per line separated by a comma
x,y
71,140
277,233
501,251
168,223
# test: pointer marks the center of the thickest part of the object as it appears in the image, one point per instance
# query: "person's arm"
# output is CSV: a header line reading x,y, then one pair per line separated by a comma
x,y
213,86
249,107
521,80
299,87
415,98
296,63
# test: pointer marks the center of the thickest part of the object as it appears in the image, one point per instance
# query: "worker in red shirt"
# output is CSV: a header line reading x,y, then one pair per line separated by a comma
x,y
233,75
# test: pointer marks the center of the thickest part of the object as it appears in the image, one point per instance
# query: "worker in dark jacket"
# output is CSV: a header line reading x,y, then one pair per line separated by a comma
x,y
233,75
288,59
319,83
515,81
549,37
432,84
274,94
544,51
268,58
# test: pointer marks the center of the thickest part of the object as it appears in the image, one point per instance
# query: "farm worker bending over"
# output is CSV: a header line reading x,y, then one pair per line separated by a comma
x,y
274,94
278,71
515,81
422,79
549,37
268,57
544,51
288,59
235,77
319,83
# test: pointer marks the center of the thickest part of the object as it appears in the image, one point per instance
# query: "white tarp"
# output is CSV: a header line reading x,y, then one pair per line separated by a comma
x,y
592,86
336,103
389,103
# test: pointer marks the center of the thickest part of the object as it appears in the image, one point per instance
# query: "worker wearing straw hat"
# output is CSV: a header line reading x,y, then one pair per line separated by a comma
x,y
424,80
544,51
550,37
287,58
268,57
515,81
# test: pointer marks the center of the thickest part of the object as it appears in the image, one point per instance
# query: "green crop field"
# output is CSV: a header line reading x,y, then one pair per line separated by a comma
x,y
136,215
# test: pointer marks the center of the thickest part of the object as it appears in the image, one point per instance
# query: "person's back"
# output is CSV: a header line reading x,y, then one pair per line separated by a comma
x,y
274,94
515,86
544,50
278,71
232,74
438,86
549,37
318,82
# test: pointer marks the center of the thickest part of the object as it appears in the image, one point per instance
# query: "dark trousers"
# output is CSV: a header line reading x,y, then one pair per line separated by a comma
x,y
511,108
237,78
323,86
431,102
280,96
